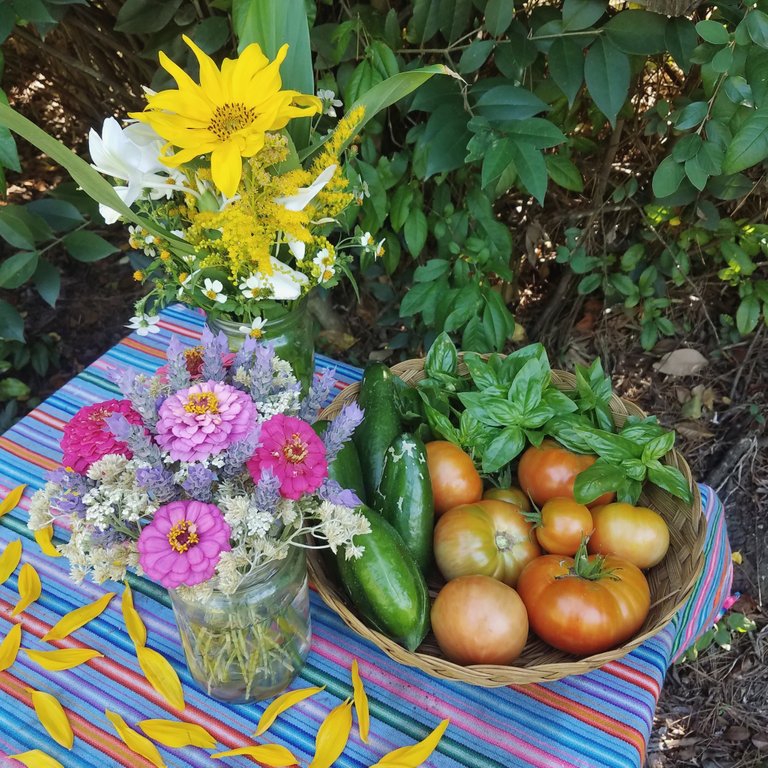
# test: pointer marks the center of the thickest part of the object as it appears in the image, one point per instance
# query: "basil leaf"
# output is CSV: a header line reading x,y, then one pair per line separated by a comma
x,y
408,403
441,425
670,479
481,372
494,411
539,417
629,490
559,401
603,417
634,469
526,389
569,431
613,448
509,444
535,436
658,447
474,432
515,361
598,479
442,357
641,431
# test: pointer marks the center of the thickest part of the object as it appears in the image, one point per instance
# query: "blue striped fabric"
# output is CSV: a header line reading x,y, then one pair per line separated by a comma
x,y
599,720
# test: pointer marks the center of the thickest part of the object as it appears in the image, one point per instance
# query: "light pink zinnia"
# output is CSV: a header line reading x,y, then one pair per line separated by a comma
x,y
87,438
294,453
183,543
204,420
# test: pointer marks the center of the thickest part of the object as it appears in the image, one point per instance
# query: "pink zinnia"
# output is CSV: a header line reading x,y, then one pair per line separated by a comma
x,y
87,438
204,420
183,543
294,453
193,357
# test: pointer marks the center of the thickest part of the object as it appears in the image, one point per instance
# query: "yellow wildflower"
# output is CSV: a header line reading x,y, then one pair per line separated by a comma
x,y
138,275
165,255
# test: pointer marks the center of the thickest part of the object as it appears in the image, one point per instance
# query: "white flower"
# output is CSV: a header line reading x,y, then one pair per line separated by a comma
x,y
305,195
284,283
330,101
255,330
325,263
212,289
298,249
251,286
363,193
185,284
366,240
144,324
380,248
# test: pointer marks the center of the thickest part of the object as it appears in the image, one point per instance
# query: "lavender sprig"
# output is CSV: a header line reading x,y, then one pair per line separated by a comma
x,y
135,437
214,349
178,373
158,483
199,482
244,357
267,492
238,453
262,373
135,387
72,488
318,395
340,429
331,491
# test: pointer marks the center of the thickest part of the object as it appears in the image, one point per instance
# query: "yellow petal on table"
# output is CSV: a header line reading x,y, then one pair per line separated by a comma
x,y
416,754
78,618
34,758
10,559
737,558
161,676
171,733
332,736
56,661
141,745
272,755
281,703
11,501
29,588
9,648
53,717
44,539
361,703
133,623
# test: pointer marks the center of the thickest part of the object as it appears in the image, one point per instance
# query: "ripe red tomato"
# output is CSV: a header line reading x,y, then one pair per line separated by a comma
x,y
453,475
564,524
478,620
550,470
637,534
584,616
511,495
489,537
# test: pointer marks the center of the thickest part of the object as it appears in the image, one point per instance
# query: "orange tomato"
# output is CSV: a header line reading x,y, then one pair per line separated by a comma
x,y
453,476
637,534
564,524
511,495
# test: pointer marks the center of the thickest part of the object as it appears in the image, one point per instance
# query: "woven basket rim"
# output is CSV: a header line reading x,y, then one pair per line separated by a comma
x,y
496,675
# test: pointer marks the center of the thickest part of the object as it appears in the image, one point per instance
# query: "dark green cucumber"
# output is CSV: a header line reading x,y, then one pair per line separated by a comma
x,y
404,496
381,424
385,584
345,468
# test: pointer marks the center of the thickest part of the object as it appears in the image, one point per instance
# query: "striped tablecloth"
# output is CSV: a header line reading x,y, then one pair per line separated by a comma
x,y
602,719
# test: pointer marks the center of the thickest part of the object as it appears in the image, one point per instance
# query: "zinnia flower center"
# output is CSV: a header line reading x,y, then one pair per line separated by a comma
x,y
202,402
229,118
100,415
182,536
295,450
193,358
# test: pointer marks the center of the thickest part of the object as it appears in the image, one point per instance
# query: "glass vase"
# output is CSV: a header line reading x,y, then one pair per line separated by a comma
x,y
291,333
249,645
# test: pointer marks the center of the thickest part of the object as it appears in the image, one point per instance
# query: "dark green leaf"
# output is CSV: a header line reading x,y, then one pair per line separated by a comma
x,y
613,448
566,66
508,102
48,281
432,270
658,447
445,139
691,115
680,38
589,283
475,55
748,314
503,449
536,131
400,206
442,356
497,159
730,187
713,32
13,389
526,389
757,27
580,14
531,169
17,269
749,145
671,480
211,34
598,479
145,16
419,296
440,424
415,231
7,21
465,306
639,32
15,231
687,147
9,154
569,430
11,324
606,71
738,90
695,173
722,61
564,173
667,177
87,246
498,16
59,214
497,320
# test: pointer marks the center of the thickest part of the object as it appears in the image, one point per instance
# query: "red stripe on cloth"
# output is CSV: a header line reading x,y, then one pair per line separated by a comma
x,y
182,330
633,676
144,348
23,453
47,419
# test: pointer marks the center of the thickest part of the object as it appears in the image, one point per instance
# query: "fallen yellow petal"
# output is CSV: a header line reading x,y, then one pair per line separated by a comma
x,y
53,717
177,734
10,559
416,754
12,500
44,538
737,558
34,758
78,618
280,704
56,661
9,648
133,623
361,703
332,736
272,755
141,745
29,588
161,676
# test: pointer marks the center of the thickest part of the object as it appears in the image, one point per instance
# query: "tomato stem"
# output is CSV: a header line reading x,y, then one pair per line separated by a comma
x,y
592,569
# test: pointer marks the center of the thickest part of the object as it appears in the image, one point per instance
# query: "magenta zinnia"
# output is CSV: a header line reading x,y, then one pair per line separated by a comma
x,y
294,453
87,438
204,420
183,543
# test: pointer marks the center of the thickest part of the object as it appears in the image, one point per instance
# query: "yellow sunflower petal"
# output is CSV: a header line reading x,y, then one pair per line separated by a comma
x,y
78,618
35,758
210,77
332,736
183,80
30,588
280,704
53,717
416,754
161,676
12,500
192,105
9,648
237,71
361,703
44,539
226,167
9,560
171,733
133,623
56,661
139,744
272,755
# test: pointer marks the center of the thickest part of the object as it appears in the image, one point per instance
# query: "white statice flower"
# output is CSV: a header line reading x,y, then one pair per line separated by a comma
x,y
213,290
256,329
243,377
235,511
230,569
144,324
288,511
330,102
111,468
285,401
40,507
117,499
340,524
283,374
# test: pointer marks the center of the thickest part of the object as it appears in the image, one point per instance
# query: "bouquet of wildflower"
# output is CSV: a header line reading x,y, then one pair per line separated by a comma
x,y
205,472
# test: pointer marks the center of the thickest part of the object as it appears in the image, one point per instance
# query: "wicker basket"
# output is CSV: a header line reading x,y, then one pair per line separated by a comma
x,y
671,581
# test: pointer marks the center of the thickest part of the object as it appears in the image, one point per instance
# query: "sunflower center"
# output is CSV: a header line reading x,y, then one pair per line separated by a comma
x,y
182,536
295,450
202,402
230,118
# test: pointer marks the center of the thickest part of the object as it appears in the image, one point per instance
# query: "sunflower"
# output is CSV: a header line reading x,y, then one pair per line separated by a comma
x,y
227,114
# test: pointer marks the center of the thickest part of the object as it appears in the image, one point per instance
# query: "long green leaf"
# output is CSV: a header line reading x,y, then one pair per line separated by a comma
x,y
92,182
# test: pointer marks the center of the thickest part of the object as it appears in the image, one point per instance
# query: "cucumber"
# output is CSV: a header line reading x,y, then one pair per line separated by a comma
x,y
385,584
404,496
345,468
381,424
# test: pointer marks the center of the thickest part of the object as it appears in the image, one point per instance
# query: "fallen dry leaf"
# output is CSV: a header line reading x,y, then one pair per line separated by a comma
x,y
681,362
737,733
693,430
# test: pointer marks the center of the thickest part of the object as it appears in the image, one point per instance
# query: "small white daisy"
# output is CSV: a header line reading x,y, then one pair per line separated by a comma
x,y
380,248
144,324
251,286
212,289
255,329
330,102
366,240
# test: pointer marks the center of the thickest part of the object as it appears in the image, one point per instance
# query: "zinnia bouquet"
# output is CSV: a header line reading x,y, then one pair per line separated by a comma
x,y
204,477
